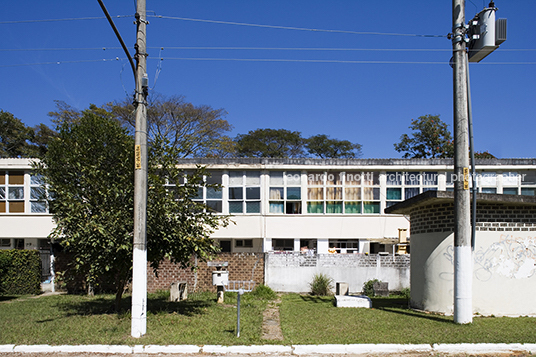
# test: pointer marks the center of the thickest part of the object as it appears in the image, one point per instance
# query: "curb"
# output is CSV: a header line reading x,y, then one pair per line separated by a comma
x,y
478,348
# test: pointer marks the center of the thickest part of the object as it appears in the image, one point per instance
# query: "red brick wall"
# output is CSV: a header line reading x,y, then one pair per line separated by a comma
x,y
241,266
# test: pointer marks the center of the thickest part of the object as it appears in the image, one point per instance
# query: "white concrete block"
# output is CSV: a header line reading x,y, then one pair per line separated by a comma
x,y
353,301
246,349
172,349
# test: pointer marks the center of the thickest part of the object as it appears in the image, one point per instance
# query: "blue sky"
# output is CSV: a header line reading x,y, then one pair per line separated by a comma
x,y
365,88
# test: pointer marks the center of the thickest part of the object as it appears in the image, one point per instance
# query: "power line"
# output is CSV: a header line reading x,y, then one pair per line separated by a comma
x,y
57,20
60,62
292,28
260,60
217,48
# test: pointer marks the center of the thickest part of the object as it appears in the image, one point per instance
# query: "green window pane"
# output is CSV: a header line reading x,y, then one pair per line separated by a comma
x,y
371,207
352,207
394,193
333,207
315,207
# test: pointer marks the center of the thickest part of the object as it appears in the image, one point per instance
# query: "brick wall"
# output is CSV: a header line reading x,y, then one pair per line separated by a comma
x,y
242,266
439,217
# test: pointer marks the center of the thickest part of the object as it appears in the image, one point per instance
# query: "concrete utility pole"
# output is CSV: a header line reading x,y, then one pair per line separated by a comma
x,y
139,260
463,260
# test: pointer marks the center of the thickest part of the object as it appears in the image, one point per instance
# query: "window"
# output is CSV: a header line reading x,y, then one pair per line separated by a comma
x,y
489,190
244,192
12,191
285,192
211,197
283,244
5,243
244,243
335,192
38,202
345,246
509,190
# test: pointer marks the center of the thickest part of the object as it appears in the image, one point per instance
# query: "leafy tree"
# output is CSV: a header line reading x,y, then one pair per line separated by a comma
x,y
197,131
278,143
430,139
14,136
324,147
484,155
89,170
41,137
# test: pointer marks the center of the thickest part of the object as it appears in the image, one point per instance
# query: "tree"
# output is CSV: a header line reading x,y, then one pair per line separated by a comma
x,y
278,143
324,147
430,139
14,136
484,155
89,171
197,131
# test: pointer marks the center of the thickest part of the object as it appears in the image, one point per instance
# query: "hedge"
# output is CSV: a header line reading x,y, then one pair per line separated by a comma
x,y
20,272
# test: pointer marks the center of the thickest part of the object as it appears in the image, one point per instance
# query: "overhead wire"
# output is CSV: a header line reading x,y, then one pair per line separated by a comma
x,y
292,27
58,20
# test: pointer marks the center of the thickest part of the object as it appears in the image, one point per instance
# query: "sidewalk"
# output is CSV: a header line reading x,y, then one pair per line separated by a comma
x,y
298,350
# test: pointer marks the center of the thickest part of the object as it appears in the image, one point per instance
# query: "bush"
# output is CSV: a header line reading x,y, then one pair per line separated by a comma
x,y
368,287
406,293
322,285
264,292
21,272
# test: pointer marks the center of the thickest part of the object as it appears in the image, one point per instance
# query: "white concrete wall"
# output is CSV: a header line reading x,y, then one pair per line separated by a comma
x,y
294,272
504,273
26,226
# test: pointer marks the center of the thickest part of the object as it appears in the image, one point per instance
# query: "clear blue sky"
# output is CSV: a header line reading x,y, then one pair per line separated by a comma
x,y
360,90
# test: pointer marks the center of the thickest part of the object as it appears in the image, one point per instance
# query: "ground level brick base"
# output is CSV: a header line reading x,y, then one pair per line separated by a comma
x,y
242,266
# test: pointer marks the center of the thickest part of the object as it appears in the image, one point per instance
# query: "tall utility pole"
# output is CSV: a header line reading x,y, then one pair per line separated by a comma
x,y
463,261
139,262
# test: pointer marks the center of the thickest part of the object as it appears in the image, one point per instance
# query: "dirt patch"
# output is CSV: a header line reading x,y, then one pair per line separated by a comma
x,y
271,326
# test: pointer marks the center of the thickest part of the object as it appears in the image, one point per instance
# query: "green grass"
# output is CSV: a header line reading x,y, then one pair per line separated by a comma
x,y
74,319
315,320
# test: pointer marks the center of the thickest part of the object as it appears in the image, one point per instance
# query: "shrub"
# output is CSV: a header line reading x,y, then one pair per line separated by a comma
x,y
264,292
406,293
322,285
21,272
368,287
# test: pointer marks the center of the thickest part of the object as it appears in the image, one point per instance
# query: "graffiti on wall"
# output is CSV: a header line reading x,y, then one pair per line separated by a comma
x,y
511,257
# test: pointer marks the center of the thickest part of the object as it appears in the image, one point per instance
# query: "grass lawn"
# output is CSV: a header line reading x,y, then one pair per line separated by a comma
x,y
73,319
312,320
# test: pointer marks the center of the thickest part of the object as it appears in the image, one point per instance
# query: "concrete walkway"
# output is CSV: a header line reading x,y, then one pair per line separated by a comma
x,y
299,350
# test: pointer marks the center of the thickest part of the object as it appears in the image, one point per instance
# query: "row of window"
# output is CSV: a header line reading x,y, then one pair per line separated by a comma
x,y
357,192
18,195
292,192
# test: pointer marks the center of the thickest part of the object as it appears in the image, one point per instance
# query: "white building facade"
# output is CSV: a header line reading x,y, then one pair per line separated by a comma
x,y
315,206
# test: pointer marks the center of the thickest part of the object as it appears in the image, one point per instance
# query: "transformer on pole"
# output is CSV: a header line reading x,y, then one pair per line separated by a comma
x,y
485,33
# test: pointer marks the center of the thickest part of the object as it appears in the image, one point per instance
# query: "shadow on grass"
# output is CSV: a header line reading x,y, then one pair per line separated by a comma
x,y
105,305
401,306
316,299
8,297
